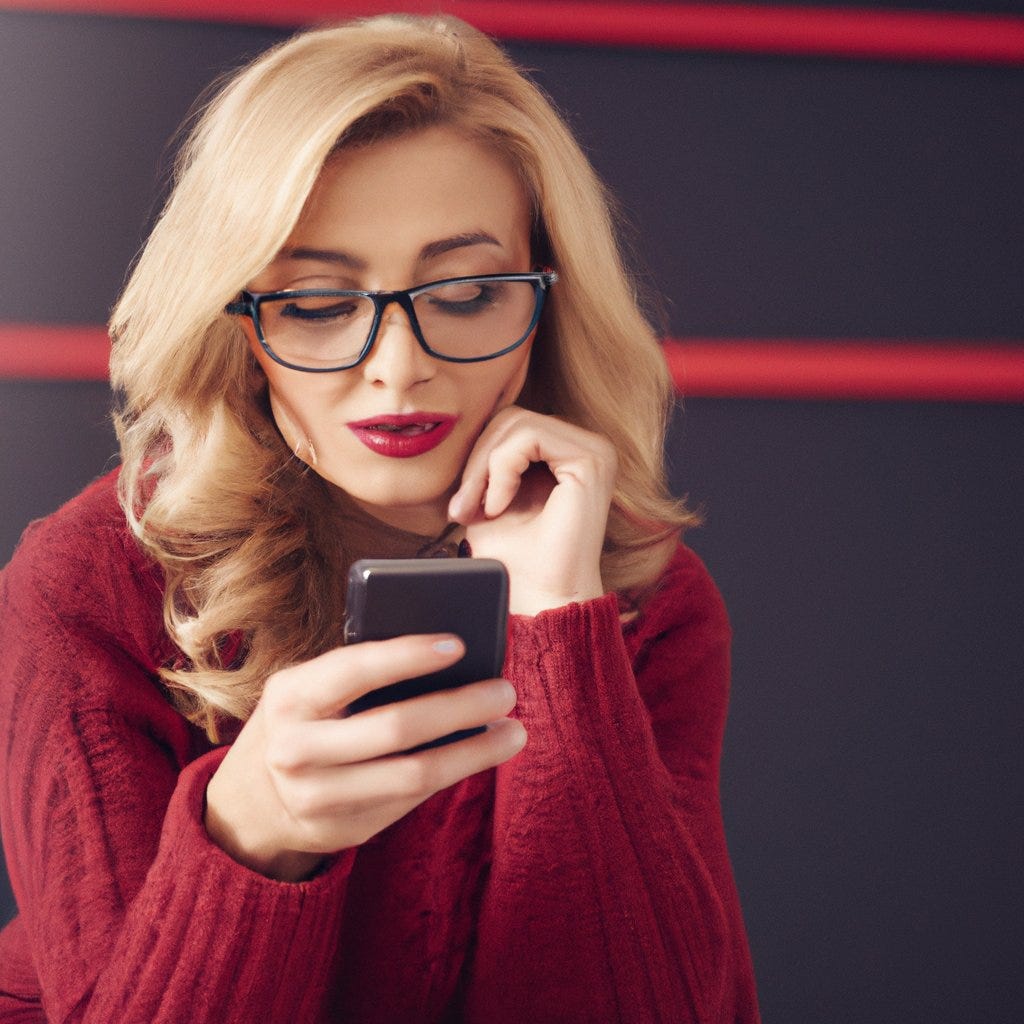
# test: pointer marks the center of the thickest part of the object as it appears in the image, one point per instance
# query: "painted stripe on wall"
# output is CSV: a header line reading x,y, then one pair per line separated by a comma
x,y
701,367
847,369
809,31
53,352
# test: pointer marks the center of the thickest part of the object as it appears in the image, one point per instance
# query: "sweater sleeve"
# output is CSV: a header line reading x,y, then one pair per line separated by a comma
x,y
610,895
128,911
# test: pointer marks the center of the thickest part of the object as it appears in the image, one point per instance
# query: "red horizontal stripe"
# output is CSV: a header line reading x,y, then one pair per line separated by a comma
x,y
53,352
847,369
810,31
701,367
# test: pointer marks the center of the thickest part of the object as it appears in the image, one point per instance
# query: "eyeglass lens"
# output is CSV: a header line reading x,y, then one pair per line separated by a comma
x,y
462,319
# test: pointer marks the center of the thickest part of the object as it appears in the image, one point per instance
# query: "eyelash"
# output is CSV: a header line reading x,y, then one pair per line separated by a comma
x,y
314,314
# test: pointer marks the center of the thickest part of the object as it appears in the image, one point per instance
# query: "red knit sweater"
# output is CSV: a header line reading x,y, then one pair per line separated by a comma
x,y
587,880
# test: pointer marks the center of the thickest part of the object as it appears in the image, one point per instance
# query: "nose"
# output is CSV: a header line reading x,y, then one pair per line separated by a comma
x,y
397,362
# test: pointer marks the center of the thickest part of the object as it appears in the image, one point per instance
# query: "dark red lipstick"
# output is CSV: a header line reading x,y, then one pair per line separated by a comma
x,y
404,436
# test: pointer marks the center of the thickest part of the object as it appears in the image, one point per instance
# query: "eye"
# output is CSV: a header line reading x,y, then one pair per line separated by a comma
x,y
319,309
463,298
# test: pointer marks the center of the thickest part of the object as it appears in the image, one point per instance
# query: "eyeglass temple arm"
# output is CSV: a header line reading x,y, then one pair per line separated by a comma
x,y
245,306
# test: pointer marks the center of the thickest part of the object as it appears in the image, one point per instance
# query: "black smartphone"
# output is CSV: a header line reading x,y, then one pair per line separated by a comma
x,y
389,597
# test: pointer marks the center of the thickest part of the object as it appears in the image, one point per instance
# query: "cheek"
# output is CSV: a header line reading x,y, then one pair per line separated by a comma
x,y
288,421
295,402
277,382
512,382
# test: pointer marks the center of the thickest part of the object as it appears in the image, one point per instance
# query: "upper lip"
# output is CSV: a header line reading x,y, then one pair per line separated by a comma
x,y
403,419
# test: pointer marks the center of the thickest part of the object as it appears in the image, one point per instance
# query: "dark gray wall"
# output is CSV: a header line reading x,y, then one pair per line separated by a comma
x,y
869,552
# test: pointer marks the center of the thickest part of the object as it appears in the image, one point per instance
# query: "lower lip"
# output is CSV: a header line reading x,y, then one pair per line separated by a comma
x,y
396,445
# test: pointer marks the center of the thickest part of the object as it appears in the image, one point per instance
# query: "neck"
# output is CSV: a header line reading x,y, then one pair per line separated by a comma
x,y
368,526
418,520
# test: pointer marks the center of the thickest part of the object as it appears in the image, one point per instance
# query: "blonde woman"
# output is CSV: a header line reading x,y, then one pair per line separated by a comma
x,y
195,830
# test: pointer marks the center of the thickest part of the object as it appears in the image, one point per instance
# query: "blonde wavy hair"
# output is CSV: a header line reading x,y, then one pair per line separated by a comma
x,y
239,525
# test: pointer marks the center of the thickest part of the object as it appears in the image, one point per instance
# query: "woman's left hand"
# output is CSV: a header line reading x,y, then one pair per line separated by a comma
x,y
535,494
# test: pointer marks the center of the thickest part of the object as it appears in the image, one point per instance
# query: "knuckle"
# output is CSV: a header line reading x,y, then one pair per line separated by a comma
x,y
395,731
590,466
279,694
609,453
273,693
510,414
602,448
496,458
604,459
417,777
283,758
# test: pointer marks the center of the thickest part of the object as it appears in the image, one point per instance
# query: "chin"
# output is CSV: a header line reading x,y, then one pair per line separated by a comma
x,y
412,503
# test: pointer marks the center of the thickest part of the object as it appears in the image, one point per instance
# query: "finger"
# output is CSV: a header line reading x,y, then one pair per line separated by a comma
x,y
466,502
392,728
494,469
506,467
412,778
321,687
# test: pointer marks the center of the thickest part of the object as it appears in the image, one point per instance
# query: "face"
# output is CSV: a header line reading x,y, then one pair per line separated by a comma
x,y
391,215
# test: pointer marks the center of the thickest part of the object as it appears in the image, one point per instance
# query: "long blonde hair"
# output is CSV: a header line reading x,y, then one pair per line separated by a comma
x,y
239,525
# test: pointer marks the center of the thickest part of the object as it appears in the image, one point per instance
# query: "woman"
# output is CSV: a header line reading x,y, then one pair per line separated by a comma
x,y
196,831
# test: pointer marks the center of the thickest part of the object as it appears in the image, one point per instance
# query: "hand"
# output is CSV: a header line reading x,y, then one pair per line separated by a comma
x,y
535,494
301,782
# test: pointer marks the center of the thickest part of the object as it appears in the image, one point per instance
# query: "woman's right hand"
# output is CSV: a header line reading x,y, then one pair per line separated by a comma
x,y
301,782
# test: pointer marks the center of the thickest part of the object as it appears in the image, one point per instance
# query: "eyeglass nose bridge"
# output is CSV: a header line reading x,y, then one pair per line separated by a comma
x,y
381,301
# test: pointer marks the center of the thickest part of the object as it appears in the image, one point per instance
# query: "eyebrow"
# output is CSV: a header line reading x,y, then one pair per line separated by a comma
x,y
443,245
429,251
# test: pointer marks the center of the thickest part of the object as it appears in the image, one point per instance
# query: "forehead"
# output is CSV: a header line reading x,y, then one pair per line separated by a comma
x,y
401,193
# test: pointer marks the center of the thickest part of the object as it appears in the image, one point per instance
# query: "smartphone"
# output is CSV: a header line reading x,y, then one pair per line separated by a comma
x,y
389,597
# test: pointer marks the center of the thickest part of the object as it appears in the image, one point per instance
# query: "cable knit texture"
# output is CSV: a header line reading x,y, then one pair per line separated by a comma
x,y
587,880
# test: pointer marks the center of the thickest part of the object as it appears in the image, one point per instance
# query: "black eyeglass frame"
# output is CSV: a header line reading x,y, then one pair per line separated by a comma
x,y
250,302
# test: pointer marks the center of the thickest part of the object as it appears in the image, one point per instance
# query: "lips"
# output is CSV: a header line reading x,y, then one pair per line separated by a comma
x,y
403,436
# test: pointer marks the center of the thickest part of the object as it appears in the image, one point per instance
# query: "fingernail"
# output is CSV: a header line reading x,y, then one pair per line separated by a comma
x,y
446,646
518,738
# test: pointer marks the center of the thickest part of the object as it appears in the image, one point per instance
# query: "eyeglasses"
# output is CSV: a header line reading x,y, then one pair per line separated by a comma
x,y
459,319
